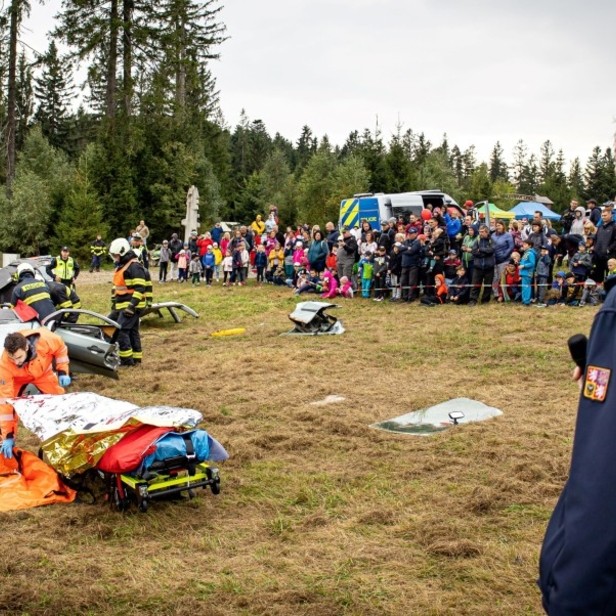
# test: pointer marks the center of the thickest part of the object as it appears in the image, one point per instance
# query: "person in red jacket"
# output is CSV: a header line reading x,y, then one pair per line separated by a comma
x,y
28,358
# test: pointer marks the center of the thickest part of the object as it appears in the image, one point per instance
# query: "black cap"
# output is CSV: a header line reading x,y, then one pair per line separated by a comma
x,y
65,248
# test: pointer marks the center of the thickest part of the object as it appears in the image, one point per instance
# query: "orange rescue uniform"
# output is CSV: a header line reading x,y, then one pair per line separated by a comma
x,y
43,348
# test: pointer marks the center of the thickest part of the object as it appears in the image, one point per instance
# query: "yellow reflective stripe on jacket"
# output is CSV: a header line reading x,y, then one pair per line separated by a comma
x,y
36,298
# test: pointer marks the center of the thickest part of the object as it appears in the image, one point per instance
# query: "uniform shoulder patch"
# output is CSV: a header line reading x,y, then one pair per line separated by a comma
x,y
596,383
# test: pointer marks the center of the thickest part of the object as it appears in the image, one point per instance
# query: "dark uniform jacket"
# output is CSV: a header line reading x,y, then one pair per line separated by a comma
x,y
578,557
35,293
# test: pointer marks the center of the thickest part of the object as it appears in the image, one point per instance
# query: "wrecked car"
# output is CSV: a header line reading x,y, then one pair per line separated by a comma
x,y
311,319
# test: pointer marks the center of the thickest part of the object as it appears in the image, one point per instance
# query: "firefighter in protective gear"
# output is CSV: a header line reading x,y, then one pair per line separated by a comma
x,y
64,297
28,358
97,249
64,268
128,300
35,293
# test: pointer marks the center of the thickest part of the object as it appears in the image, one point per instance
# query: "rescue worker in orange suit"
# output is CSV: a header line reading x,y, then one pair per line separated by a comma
x,y
35,293
128,300
28,358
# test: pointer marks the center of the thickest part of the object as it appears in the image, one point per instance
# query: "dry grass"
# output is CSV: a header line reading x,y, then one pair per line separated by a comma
x,y
319,514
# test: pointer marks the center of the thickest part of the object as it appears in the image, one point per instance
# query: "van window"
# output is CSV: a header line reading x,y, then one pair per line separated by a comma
x,y
432,200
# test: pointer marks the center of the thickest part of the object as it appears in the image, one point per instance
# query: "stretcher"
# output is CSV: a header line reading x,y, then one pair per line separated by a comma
x,y
141,454
159,464
124,489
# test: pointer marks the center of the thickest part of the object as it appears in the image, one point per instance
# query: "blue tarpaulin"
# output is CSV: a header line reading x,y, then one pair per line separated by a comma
x,y
526,209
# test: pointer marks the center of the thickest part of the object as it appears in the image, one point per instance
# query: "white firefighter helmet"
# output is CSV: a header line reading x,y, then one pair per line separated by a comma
x,y
22,268
119,246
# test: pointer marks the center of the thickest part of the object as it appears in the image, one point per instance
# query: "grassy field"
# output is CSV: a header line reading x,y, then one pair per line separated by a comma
x,y
320,514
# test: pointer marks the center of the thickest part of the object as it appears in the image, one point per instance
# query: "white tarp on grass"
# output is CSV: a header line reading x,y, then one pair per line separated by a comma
x,y
433,419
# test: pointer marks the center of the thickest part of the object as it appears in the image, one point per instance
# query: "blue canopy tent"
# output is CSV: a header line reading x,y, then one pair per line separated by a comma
x,y
526,209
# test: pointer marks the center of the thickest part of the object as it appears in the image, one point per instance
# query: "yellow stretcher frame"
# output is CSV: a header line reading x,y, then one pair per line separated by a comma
x,y
144,490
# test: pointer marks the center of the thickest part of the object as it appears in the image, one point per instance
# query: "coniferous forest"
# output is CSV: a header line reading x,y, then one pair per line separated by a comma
x,y
150,126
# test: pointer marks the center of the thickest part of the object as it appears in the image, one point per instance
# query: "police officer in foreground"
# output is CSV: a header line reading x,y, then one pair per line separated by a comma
x,y
128,300
63,268
35,293
577,568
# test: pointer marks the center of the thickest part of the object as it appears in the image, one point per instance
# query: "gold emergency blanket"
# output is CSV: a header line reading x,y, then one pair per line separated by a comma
x,y
76,429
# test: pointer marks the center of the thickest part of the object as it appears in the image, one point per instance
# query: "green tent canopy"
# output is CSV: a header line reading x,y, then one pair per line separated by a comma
x,y
496,212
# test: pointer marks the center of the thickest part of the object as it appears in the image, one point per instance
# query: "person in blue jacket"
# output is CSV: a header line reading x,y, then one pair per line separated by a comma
x,y
527,270
577,568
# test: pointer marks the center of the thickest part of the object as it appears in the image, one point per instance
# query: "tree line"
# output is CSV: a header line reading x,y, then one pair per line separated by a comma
x,y
150,126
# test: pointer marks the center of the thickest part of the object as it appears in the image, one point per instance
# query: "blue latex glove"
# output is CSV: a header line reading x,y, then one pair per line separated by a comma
x,y
6,449
64,380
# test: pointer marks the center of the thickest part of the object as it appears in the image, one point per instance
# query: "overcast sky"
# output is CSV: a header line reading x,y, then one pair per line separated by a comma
x,y
479,70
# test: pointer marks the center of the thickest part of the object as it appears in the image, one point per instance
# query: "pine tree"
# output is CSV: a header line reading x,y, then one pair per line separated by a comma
x,y
373,155
81,217
306,147
399,171
576,179
520,153
593,181
17,11
546,163
23,99
498,166
54,90
187,33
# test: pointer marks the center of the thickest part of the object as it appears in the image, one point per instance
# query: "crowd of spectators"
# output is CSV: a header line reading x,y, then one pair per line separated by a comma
x,y
438,257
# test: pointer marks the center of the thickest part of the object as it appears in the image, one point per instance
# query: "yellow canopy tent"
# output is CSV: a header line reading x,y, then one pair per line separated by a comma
x,y
496,212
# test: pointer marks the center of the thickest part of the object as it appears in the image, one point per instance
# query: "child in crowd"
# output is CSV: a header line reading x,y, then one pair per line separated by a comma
x,y
279,276
298,253
307,282
330,285
182,266
346,288
590,294
450,265
209,262
195,269
163,261
611,267
527,269
395,270
581,263
245,256
381,264
365,272
261,262
331,261
276,257
511,288
217,261
227,269
237,275
558,293
439,294
288,259
544,264
459,290
574,290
